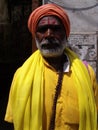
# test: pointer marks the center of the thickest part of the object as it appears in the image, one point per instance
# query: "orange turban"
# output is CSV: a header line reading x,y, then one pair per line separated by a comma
x,y
46,10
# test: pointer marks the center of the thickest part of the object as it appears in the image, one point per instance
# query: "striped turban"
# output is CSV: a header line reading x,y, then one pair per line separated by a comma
x,y
47,10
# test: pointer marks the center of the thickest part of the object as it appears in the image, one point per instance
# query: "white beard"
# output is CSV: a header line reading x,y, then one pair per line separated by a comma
x,y
55,52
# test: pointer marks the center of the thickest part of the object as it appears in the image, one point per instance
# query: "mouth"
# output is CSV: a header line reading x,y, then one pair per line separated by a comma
x,y
50,46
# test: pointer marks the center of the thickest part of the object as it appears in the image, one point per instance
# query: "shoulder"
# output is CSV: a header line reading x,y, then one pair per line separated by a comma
x,y
90,70
93,80
92,75
94,83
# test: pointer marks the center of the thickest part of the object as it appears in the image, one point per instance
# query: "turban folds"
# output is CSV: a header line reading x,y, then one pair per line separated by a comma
x,y
46,10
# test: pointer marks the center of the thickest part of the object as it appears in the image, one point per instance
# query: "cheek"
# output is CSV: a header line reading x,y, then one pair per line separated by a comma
x,y
60,37
63,35
39,36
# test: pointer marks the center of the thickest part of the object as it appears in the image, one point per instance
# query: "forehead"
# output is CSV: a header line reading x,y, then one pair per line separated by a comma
x,y
49,20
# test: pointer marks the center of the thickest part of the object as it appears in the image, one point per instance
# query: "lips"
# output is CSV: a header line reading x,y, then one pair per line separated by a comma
x,y
49,46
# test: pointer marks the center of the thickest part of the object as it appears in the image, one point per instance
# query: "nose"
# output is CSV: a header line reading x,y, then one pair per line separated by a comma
x,y
49,33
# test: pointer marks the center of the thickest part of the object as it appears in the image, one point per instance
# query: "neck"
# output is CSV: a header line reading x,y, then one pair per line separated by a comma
x,y
57,62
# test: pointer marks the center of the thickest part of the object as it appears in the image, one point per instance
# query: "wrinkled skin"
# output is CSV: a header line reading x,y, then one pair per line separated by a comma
x,y
50,37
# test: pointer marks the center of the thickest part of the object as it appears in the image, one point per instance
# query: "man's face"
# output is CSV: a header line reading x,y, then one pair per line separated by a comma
x,y
50,36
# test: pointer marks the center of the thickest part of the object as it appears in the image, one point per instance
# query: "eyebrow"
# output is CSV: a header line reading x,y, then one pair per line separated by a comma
x,y
48,26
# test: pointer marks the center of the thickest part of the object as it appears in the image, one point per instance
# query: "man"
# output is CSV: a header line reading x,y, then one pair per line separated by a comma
x,y
53,90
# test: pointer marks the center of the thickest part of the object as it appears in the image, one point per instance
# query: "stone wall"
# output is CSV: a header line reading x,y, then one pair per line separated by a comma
x,y
85,45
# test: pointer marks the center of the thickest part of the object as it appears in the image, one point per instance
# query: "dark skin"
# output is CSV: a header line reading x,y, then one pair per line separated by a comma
x,y
51,31
57,62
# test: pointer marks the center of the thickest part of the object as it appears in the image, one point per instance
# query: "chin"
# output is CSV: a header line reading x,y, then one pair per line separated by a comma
x,y
51,53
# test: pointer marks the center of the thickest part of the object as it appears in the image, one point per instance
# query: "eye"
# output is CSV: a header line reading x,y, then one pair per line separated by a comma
x,y
57,28
42,29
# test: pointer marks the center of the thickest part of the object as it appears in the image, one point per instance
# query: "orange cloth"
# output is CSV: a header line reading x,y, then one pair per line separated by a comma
x,y
46,10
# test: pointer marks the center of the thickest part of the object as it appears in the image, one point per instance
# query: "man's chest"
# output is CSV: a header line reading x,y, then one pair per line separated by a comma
x,y
67,103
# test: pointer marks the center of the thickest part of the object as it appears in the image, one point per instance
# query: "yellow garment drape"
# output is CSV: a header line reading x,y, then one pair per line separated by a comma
x,y
87,106
27,94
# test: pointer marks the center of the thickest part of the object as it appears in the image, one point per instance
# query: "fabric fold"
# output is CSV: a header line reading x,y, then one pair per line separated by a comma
x,y
27,94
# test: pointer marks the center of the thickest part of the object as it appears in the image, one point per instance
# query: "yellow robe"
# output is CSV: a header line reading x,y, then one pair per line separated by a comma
x,y
25,108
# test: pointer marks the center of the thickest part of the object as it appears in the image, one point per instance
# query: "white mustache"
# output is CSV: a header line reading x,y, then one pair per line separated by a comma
x,y
50,42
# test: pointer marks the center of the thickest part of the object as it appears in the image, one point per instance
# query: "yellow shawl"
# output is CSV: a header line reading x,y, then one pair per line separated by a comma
x,y
27,94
